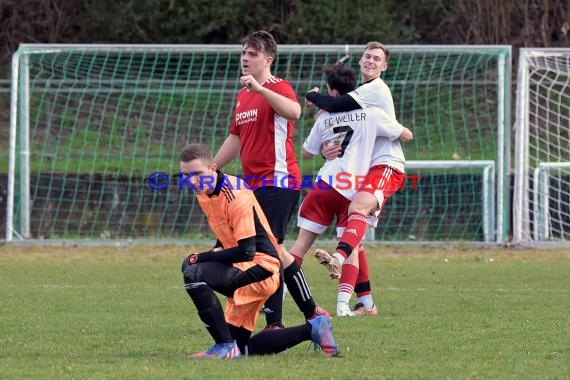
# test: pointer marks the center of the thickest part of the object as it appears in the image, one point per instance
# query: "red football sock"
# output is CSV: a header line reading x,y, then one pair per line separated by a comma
x,y
347,278
353,234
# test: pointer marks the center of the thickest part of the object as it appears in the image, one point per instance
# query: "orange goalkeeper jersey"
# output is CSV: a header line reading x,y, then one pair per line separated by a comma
x,y
233,214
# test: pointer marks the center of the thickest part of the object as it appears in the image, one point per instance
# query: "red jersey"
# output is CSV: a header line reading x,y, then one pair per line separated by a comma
x,y
267,152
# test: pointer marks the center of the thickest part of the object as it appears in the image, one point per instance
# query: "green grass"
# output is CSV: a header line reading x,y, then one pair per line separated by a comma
x,y
107,312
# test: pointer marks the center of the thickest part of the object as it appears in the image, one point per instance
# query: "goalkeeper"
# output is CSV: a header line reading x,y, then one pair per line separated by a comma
x,y
244,266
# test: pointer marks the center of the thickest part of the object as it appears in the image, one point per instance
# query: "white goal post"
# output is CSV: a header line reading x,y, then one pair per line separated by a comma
x,y
488,203
487,196
89,125
541,205
542,175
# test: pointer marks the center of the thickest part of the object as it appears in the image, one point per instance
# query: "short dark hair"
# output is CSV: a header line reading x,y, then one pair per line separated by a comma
x,y
340,77
262,41
194,151
378,45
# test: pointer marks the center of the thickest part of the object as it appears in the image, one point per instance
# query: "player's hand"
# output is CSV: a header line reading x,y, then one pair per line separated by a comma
x,y
330,150
249,82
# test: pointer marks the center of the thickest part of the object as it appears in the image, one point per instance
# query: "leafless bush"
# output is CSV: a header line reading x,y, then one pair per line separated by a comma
x,y
31,21
521,23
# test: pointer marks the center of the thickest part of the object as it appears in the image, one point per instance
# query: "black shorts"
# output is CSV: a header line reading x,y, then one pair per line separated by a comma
x,y
278,204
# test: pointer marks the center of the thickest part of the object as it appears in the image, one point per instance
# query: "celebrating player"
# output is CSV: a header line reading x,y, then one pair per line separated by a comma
x,y
357,132
386,175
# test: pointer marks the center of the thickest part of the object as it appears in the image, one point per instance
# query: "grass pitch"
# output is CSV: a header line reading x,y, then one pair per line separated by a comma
x,y
121,312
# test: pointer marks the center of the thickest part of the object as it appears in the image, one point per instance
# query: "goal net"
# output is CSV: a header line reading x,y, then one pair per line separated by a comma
x,y
542,170
90,124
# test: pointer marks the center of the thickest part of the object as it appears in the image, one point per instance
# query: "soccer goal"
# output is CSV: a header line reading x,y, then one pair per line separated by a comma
x,y
91,124
542,170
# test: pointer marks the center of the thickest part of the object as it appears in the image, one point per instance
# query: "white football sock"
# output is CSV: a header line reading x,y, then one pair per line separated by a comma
x,y
366,301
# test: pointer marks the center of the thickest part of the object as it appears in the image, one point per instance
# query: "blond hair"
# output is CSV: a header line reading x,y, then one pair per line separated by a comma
x,y
378,45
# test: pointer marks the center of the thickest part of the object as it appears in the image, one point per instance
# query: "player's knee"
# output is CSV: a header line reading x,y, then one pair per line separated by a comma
x,y
359,208
191,274
363,204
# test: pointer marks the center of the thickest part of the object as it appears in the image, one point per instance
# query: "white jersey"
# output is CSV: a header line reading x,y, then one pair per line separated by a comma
x,y
388,152
357,132
377,94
